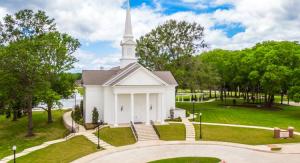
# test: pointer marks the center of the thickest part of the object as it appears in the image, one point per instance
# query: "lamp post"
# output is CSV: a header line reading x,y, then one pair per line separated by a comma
x,y
99,123
14,148
200,116
193,109
73,111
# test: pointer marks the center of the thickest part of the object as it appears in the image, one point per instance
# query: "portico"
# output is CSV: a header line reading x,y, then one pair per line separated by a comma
x,y
140,106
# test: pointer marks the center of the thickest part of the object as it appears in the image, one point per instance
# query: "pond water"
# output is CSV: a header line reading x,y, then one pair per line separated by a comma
x,y
66,103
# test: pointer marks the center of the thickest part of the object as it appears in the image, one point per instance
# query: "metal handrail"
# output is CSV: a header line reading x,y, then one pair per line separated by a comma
x,y
155,129
134,131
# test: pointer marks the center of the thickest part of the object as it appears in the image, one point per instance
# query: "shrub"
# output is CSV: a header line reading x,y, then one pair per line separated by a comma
x,y
187,114
77,114
95,117
81,108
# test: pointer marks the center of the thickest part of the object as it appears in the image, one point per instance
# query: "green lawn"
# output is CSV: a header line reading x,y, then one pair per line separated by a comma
x,y
67,151
13,133
188,160
173,131
240,135
217,113
117,136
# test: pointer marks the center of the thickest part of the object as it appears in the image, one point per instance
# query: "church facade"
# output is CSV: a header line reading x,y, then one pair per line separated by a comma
x,y
130,92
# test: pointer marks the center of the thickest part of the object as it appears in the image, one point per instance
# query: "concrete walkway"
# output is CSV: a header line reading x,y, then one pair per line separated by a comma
x,y
89,134
35,148
151,150
189,130
80,130
93,138
230,152
241,126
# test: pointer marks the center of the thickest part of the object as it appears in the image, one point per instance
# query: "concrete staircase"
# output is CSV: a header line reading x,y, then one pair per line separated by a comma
x,y
93,138
189,130
145,132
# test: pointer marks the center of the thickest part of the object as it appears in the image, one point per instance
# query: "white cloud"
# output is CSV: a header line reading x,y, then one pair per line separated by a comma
x,y
103,20
90,60
3,12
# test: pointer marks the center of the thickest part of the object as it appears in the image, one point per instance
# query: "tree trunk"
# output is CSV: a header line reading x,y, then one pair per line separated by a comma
x,y
281,100
221,93
235,92
49,111
288,98
210,92
15,114
225,95
215,93
29,112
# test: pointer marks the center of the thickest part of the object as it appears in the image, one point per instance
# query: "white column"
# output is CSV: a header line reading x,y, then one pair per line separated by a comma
x,y
116,110
132,107
147,110
163,112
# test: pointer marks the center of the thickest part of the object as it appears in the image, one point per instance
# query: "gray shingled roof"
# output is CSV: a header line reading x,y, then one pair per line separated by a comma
x,y
97,77
166,76
100,77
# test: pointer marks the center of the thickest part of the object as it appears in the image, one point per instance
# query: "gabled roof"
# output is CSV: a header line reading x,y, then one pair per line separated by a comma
x,y
97,77
115,75
166,76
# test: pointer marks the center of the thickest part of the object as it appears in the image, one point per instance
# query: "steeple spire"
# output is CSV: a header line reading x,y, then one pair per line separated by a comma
x,y
128,44
128,25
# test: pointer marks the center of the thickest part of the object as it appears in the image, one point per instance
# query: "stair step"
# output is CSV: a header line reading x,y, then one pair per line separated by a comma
x,y
145,133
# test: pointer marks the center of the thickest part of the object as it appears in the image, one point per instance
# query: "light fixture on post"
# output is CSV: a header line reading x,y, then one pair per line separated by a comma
x,y
193,109
99,123
200,116
14,148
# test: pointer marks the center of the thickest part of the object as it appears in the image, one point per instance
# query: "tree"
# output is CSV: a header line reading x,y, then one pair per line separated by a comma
x,y
170,47
36,55
77,114
59,49
95,116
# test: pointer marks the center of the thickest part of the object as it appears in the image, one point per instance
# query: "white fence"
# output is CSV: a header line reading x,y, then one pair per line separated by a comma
x,y
181,96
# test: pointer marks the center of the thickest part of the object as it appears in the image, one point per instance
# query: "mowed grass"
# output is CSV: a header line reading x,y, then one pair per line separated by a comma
x,y
117,136
67,151
172,131
240,135
14,132
216,112
188,160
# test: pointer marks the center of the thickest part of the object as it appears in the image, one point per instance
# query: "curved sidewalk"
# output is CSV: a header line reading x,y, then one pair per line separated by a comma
x,y
155,150
67,120
241,126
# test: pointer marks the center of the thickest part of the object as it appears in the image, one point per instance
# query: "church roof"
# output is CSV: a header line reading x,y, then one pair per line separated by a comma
x,y
100,77
166,76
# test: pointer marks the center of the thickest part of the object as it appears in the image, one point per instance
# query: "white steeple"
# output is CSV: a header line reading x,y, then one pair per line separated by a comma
x,y
128,44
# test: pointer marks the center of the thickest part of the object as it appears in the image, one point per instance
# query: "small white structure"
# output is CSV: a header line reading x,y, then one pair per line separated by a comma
x,y
129,93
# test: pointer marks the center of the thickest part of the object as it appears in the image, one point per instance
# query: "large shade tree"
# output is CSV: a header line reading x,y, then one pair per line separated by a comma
x,y
35,55
171,46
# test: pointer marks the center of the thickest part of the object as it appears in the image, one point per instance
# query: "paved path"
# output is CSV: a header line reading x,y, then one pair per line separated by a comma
x,y
68,124
189,130
160,150
82,131
35,148
291,103
242,126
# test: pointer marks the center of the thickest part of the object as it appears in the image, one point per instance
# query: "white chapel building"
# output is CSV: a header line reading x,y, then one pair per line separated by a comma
x,y
130,92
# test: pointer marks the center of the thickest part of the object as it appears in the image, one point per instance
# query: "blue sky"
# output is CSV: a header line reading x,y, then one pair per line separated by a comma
x,y
168,8
229,24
